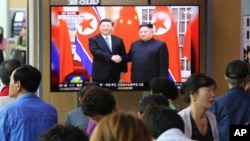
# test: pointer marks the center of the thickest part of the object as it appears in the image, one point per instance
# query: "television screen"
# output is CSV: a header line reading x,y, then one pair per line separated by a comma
x,y
72,26
19,16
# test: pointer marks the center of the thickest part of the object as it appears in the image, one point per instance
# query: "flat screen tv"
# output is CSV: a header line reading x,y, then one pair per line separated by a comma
x,y
72,26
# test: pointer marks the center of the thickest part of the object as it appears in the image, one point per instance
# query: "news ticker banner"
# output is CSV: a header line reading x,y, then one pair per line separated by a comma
x,y
239,132
67,15
120,84
74,2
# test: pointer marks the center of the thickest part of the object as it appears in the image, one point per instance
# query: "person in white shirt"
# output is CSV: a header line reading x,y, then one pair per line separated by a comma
x,y
199,92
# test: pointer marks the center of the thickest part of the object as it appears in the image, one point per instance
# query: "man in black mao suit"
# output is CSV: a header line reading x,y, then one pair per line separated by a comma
x,y
149,56
108,65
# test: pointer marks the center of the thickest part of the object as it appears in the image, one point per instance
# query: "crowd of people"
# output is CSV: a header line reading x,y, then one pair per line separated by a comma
x,y
206,118
24,116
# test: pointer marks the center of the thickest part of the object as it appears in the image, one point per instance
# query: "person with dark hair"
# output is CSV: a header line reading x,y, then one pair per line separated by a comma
x,y
107,51
28,117
97,103
3,43
199,92
76,117
149,100
121,127
233,107
247,60
6,68
247,55
149,56
64,133
165,123
166,87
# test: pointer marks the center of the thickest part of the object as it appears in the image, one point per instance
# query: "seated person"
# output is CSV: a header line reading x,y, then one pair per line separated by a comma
x,y
165,123
149,100
76,117
29,116
97,103
166,87
6,68
4,100
121,127
64,133
199,92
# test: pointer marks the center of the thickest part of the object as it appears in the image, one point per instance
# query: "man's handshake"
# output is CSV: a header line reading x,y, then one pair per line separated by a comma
x,y
116,58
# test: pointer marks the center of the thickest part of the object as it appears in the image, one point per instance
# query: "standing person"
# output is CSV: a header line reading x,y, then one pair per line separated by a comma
x,y
149,56
198,92
108,66
2,44
233,107
76,117
29,116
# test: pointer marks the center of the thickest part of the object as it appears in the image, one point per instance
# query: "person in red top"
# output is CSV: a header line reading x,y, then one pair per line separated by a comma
x,y
6,69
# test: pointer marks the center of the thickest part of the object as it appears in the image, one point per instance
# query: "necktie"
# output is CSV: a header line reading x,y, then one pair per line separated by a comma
x,y
108,43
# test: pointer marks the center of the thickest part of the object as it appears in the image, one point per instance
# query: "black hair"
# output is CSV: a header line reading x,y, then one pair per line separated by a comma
x,y
29,77
246,52
107,20
1,35
153,99
98,101
164,86
85,87
149,25
64,133
6,68
193,83
161,118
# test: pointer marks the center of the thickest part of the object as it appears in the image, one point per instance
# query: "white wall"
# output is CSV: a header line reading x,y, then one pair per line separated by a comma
x,y
4,22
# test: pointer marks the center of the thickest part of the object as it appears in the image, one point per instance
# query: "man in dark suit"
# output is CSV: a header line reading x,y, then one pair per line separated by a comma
x,y
149,56
107,50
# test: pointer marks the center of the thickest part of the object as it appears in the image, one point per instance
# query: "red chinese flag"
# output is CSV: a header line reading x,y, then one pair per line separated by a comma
x,y
165,30
66,57
127,27
191,42
60,35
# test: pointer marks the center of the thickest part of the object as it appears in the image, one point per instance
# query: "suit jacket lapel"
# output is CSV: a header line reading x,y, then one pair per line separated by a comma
x,y
102,40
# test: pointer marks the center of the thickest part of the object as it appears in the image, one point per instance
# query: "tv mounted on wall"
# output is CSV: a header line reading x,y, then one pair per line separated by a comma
x,y
71,26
